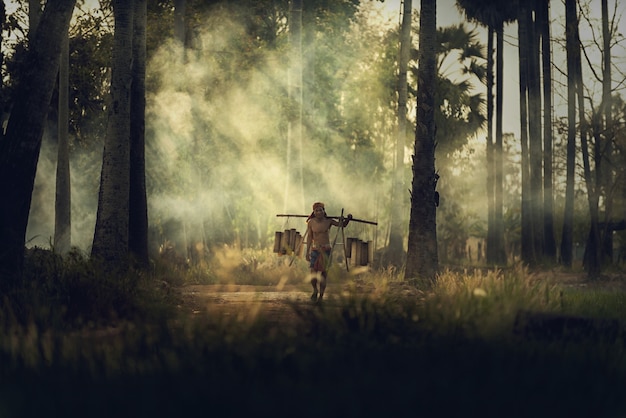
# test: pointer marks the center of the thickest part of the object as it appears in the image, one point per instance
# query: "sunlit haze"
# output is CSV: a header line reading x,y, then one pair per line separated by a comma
x,y
216,161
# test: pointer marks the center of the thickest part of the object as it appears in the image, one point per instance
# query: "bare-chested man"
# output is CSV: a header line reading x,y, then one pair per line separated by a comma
x,y
318,246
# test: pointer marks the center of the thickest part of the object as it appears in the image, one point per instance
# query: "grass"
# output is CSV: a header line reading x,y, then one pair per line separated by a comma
x,y
446,351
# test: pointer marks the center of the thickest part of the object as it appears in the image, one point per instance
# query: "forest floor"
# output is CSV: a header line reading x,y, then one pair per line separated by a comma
x,y
278,304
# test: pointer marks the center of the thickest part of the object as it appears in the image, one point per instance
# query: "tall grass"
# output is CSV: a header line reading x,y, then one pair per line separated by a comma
x,y
380,347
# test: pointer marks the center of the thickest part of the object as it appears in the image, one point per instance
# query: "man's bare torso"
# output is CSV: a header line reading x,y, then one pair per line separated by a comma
x,y
319,229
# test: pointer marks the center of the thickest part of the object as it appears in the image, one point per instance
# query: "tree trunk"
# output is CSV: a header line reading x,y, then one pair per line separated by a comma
x,y
63,194
179,21
606,171
535,137
422,258
491,202
138,205
19,150
395,249
527,248
110,243
571,22
294,186
592,251
499,251
548,198
34,16
3,18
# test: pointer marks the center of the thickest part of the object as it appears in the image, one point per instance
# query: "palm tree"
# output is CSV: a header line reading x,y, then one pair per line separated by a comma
x,y
422,257
110,242
493,14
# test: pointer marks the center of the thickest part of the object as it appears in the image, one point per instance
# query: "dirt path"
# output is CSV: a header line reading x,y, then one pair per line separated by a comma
x,y
285,304
245,302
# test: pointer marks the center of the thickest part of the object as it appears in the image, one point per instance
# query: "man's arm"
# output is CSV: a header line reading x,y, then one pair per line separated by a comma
x,y
309,240
346,221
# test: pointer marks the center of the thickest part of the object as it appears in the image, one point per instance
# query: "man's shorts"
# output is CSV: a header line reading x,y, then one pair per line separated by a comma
x,y
319,259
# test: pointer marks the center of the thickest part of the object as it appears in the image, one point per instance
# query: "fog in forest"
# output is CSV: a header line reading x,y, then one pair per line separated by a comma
x,y
216,152
218,137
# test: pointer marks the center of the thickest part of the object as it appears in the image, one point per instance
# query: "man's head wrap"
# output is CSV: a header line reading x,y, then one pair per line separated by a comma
x,y
318,205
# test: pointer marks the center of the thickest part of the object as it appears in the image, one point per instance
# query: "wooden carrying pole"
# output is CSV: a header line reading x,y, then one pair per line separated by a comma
x,y
364,248
333,217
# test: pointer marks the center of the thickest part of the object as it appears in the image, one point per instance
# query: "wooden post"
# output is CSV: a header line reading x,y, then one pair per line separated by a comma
x,y
278,236
349,242
364,253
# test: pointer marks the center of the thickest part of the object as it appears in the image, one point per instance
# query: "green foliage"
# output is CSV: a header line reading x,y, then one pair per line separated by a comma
x,y
72,292
485,304
595,303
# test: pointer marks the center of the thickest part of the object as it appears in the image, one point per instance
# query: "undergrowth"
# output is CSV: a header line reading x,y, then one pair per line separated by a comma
x,y
83,344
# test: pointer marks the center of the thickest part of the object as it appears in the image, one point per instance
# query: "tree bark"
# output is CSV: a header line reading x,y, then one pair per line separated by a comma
x,y
571,22
528,253
535,137
489,154
63,191
606,171
499,251
138,204
34,17
180,7
110,243
548,198
395,249
592,258
19,149
422,257
294,185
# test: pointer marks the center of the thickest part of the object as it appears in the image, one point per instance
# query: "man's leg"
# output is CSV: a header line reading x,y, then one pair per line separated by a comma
x,y
314,255
322,285
314,284
326,255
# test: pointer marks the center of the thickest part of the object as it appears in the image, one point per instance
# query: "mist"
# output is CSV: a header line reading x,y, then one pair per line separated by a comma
x,y
216,148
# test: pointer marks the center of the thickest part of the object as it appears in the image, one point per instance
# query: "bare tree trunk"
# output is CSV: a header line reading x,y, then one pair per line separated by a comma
x,y
606,170
499,251
110,243
179,21
548,198
20,147
422,257
63,194
294,199
395,249
34,16
592,250
527,248
138,204
535,137
571,22
3,18
491,203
